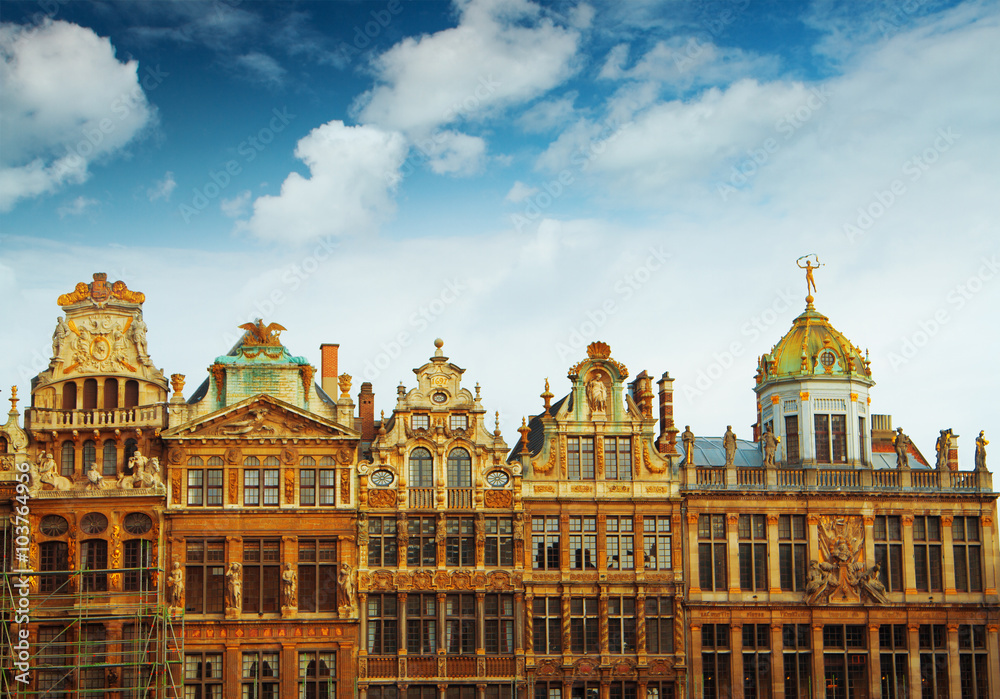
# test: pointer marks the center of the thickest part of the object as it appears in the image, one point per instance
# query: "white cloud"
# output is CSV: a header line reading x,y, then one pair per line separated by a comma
x,y
548,114
261,68
237,206
353,172
76,207
520,191
163,188
454,153
68,102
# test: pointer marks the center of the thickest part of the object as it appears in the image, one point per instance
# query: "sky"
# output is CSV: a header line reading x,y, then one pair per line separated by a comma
x,y
520,179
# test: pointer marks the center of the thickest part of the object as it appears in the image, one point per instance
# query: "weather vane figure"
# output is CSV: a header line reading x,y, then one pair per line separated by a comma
x,y
809,267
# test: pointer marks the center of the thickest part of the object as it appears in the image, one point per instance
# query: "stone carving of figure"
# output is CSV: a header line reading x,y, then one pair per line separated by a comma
x,y
687,439
519,527
901,442
47,473
362,528
869,581
137,462
942,447
442,530
253,423
234,586
981,443
95,481
597,394
819,578
175,586
59,336
729,444
289,579
137,333
345,578
770,441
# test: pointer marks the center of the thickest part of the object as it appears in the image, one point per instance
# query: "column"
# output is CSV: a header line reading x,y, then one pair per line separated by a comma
x,y
518,623
481,623
640,627
694,660
954,674
913,655
777,662
566,645
564,541
773,555
441,599
909,573
602,606
363,624
993,659
232,672
870,542
733,553
526,613
288,671
736,664
948,555
988,536
874,663
401,648
819,688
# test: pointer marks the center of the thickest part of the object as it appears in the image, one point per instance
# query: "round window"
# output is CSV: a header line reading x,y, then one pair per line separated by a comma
x,y
137,523
53,525
381,478
439,397
497,479
94,523
827,359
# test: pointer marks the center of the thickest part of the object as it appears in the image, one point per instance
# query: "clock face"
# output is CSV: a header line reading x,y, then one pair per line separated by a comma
x,y
439,397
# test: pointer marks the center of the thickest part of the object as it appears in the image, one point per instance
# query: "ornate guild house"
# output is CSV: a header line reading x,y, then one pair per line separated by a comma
x,y
268,536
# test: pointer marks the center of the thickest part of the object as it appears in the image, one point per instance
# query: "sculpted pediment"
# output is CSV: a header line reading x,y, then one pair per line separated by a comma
x,y
260,417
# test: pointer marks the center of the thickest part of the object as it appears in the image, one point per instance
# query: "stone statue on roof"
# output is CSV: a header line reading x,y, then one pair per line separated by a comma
x,y
981,443
729,444
901,442
687,439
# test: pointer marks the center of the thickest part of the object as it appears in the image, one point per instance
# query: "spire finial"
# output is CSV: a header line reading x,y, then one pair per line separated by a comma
x,y
13,399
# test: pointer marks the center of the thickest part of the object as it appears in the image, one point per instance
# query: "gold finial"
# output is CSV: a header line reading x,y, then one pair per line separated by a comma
x,y
810,280
477,390
13,398
547,397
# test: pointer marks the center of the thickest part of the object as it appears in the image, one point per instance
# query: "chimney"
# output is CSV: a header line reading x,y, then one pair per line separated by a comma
x,y
642,393
666,443
366,409
328,369
953,452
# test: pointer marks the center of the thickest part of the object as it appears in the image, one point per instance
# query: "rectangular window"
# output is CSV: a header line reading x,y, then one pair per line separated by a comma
x,y
53,662
715,665
845,660
752,533
583,543
927,553
792,438
933,639
547,625
138,656
545,543
460,623
862,441
318,674
251,488
499,545
712,555
383,634
838,438
421,624
968,554
499,615
894,661
756,661
548,690
261,575
307,487
420,421
195,487
659,625
327,486
656,543
584,620
973,664
793,552
138,563
796,649
317,575
382,544
271,476
92,647
618,458
421,547
203,675
822,432
460,542
260,675
889,551
621,625
622,689
205,576
94,555
458,422
620,540
661,690
54,561
580,458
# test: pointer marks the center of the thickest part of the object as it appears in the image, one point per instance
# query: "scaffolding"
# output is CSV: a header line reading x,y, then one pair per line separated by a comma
x,y
89,638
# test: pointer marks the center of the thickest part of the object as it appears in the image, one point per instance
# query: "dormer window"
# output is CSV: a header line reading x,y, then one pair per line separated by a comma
x,y
420,421
459,422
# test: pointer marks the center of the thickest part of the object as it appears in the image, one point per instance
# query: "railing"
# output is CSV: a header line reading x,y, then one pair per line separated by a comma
x,y
789,478
460,498
837,478
750,476
145,415
499,666
925,479
848,478
462,666
421,498
711,476
962,480
386,666
421,667
382,666
885,479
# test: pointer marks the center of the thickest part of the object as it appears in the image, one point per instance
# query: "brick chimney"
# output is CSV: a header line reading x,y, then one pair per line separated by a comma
x,y
366,409
666,443
642,393
953,453
328,370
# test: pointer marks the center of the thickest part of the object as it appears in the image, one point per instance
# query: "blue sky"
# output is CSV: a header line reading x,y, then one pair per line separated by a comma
x,y
519,178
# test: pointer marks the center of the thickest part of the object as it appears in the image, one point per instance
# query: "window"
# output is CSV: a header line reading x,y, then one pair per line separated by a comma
x,y
968,554
620,689
499,546
459,468
585,690
425,691
795,641
547,628
307,481
792,438
620,540
972,662
659,625
583,543
421,468
715,661
933,640
618,458
317,575
261,575
383,634
260,675
251,482
545,543
327,482
204,486
66,465
580,458
195,482
271,477
94,556
138,562
894,661
548,690
421,624
460,542
845,661
382,542
460,623
889,551
793,552
498,691
205,576
54,559
927,553
831,439
317,675
656,543
499,632
583,625
109,466
712,552
756,661
92,647
862,441
203,676
459,422
138,656
661,690
621,625
421,547
420,421
89,454
69,396
376,691
54,663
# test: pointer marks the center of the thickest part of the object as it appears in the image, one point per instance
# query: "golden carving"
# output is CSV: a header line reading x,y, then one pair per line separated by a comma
x,y
233,487
307,372
547,469
618,488
581,489
657,489
540,488
422,580
289,486
177,382
345,456
176,487
218,372
81,292
232,455
288,456
499,580
382,498
345,486
381,580
176,455
461,580
442,580
344,382
259,335
499,498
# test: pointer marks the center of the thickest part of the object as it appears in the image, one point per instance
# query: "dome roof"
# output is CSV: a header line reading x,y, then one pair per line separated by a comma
x,y
813,348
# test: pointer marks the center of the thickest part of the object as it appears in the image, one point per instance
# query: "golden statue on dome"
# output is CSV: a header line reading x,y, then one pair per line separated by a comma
x,y
809,267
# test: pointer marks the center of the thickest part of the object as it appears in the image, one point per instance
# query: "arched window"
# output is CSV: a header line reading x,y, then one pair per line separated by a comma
x,y
89,454
110,394
421,468
110,461
66,458
459,469
90,394
131,393
130,447
69,396
3,445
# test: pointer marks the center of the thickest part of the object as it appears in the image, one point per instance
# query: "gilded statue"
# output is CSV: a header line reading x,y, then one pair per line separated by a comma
x,y
809,267
259,334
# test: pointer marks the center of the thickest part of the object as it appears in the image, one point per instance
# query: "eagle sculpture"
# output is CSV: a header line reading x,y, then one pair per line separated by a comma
x,y
260,334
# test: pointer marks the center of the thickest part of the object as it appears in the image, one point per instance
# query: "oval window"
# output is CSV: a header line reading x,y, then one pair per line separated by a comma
x,y
137,523
94,523
381,478
497,479
53,525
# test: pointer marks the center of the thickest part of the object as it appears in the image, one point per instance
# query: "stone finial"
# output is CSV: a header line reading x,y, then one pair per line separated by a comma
x,y
547,396
438,344
13,398
344,381
177,383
